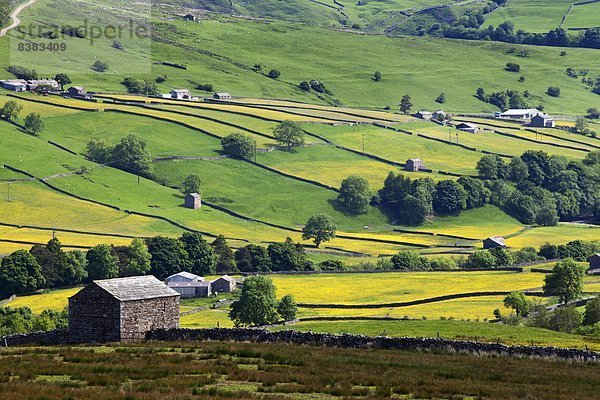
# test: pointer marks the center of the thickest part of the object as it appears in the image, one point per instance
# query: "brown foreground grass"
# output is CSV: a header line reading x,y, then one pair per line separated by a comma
x,y
257,371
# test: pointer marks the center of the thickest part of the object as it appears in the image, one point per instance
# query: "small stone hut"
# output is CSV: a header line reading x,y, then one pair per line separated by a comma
x,y
224,284
595,263
193,200
494,241
122,309
414,164
221,96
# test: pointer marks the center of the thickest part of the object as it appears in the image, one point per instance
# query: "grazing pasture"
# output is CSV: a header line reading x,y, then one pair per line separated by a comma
x,y
548,14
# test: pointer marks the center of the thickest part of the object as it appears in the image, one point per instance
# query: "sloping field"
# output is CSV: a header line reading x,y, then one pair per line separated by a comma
x,y
583,16
531,15
562,233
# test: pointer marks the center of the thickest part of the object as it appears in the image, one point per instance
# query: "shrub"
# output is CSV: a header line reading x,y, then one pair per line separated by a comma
x,y
553,91
512,67
274,74
410,260
239,145
100,66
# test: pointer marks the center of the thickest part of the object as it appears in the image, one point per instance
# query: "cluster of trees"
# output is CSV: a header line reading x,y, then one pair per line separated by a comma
x,y
239,145
22,320
413,200
5,9
505,32
566,283
577,250
33,122
356,195
316,85
258,304
130,154
539,188
140,86
504,99
22,72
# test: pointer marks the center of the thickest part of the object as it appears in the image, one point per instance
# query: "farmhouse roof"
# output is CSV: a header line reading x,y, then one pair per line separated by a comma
x,y
136,288
186,275
497,239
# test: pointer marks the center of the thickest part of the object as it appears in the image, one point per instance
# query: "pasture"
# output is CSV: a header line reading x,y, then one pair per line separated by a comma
x,y
548,14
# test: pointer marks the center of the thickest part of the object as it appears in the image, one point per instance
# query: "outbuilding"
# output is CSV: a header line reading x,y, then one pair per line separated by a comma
x,y
542,121
426,115
594,263
222,96
192,289
183,276
467,127
189,17
180,94
224,284
16,85
122,309
414,164
519,114
494,241
193,201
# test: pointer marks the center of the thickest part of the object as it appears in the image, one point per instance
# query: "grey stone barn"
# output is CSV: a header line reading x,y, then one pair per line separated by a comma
x,y
193,201
493,242
192,289
414,164
594,263
224,284
122,309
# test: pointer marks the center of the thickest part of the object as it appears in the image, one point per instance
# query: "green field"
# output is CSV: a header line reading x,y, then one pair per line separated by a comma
x,y
583,16
548,14
222,50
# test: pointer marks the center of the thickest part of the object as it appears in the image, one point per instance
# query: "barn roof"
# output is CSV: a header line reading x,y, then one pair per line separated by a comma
x,y
180,90
467,125
188,284
415,160
194,195
136,288
223,94
186,275
520,111
225,278
497,239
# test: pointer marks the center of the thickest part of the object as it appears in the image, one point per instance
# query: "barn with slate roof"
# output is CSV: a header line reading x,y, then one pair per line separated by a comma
x,y
122,309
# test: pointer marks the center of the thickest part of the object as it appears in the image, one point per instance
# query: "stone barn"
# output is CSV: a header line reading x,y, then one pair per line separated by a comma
x,y
594,263
224,284
122,309
542,121
221,96
414,164
467,127
192,289
193,200
426,115
189,17
493,242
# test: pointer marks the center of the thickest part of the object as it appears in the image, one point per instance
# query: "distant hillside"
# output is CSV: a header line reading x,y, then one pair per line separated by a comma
x,y
4,11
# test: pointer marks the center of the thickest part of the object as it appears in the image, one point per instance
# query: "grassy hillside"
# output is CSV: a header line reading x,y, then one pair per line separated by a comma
x,y
221,51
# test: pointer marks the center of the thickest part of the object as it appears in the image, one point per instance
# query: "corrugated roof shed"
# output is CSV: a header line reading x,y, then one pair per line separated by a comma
x,y
136,288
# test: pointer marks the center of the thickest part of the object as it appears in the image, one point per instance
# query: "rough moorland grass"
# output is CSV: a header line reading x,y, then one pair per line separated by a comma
x,y
216,370
484,331
398,287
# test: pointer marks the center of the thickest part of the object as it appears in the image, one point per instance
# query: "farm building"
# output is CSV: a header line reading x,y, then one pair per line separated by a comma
x,y
221,96
189,17
542,121
42,83
78,92
594,263
183,277
467,127
439,115
493,242
16,85
180,94
414,164
224,284
193,201
520,114
122,309
426,115
192,289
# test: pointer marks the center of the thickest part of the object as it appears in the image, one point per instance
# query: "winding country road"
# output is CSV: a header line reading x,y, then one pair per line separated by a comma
x,y
16,21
